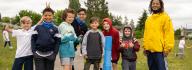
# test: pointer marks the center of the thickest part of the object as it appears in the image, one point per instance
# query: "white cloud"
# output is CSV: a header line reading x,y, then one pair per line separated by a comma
x,y
179,10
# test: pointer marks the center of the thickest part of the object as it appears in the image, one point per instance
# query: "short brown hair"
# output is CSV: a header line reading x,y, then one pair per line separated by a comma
x,y
64,15
48,10
94,19
82,9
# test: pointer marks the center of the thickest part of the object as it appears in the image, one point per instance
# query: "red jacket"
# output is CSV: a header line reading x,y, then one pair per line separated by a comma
x,y
115,39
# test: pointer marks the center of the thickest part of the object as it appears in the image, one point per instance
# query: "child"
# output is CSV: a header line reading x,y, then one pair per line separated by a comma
x,y
6,38
180,54
92,45
79,25
24,55
109,30
128,48
68,37
45,42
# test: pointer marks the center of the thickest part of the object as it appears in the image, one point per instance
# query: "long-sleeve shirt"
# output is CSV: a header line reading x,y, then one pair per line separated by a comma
x,y
93,44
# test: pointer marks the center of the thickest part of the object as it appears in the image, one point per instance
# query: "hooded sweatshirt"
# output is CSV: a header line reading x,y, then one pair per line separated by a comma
x,y
158,33
126,52
115,39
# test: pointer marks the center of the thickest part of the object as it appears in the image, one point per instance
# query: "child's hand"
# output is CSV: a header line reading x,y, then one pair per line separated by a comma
x,y
40,21
122,44
131,45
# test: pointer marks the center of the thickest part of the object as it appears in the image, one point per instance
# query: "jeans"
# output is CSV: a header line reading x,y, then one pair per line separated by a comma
x,y
156,61
27,61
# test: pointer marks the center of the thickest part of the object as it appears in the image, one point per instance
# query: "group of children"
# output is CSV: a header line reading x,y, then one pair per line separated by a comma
x,y
41,42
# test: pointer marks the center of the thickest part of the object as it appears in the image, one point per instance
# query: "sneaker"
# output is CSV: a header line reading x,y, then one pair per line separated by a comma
x,y
11,47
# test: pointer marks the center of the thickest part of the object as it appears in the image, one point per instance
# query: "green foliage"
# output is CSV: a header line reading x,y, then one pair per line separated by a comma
x,y
97,8
141,24
33,15
74,4
6,19
138,34
177,33
57,17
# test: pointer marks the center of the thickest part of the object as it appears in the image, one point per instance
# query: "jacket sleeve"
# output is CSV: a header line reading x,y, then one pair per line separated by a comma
x,y
117,43
84,44
65,37
57,39
145,35
136,45
103,42
168,35
34,39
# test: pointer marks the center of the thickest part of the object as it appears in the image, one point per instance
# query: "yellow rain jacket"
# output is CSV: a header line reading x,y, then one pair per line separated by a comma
x,y
158,33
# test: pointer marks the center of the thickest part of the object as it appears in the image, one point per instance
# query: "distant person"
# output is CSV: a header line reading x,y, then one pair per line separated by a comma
x,y
181,46
6,38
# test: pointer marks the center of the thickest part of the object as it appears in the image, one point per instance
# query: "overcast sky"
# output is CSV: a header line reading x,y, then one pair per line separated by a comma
x,y
179,10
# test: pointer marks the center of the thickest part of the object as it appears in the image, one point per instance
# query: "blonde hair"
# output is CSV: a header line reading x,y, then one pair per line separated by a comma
x,y
25,18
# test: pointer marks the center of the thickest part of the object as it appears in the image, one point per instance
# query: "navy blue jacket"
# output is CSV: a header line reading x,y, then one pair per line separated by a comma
x,y
45,39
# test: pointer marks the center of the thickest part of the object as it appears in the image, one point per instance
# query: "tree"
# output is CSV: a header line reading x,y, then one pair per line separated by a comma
x,y
132,24
177,33
126,21
74,4
141,24
6,19
33,15
97,8
57,17
0,17
117,21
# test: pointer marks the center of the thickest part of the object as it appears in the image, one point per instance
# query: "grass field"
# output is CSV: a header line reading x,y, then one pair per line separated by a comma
x,y
7,56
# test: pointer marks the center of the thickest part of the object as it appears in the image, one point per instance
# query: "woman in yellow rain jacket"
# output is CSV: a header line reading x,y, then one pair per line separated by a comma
x,y
158,36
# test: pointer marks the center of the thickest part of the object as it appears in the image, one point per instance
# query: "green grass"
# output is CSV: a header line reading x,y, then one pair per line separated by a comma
x,y
7,57
174,63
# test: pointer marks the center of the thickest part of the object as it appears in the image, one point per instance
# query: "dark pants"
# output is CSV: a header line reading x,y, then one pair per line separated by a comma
x,y
9,42
27,61
156,61
44,63
92,61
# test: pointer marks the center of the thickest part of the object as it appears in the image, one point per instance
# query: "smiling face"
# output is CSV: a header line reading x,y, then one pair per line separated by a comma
x,y
48,16
127,32
26,23
82,15
70,17
155,5
106,26
94,25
